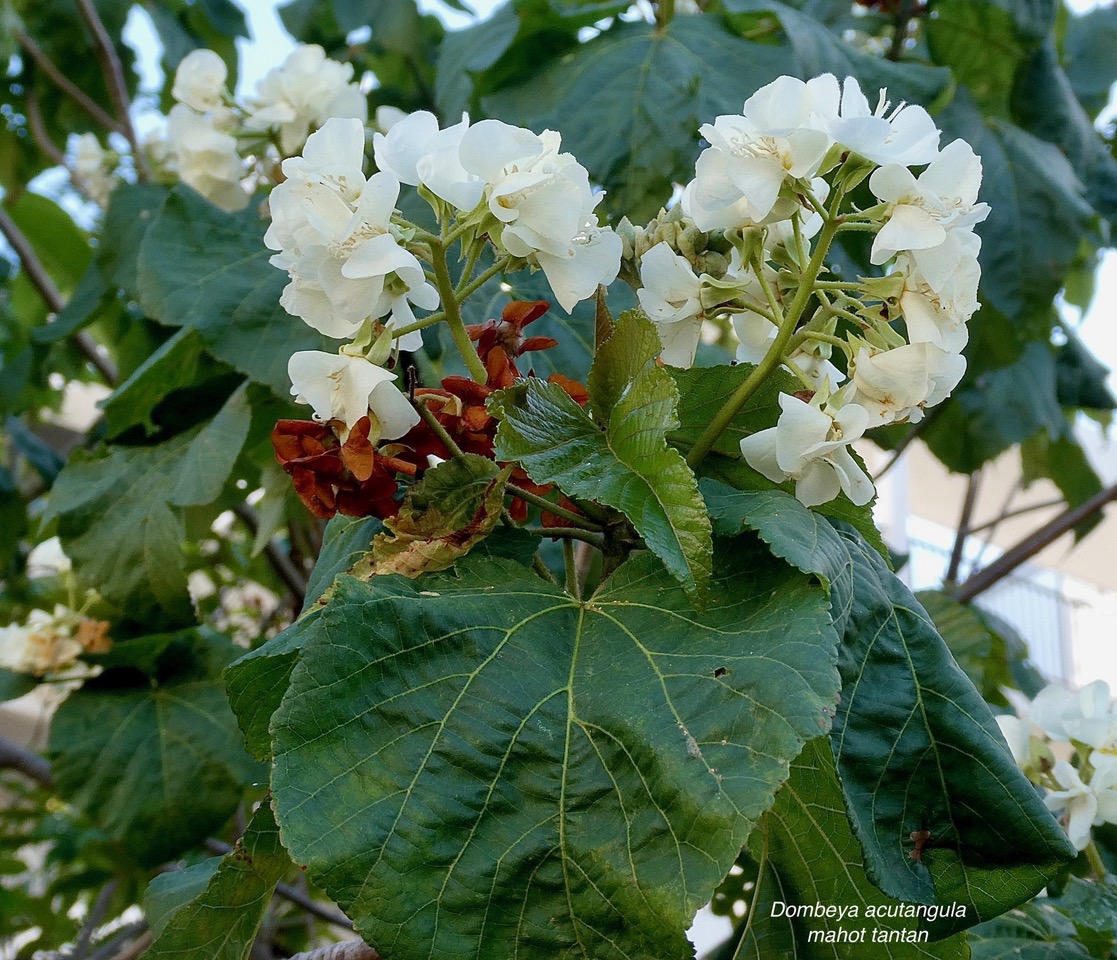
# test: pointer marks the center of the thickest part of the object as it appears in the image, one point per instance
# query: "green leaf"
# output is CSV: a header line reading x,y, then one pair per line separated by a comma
x,y
794,533
257,681
14,685
1090,57
1038,215
818,49
478,763
157,764
60,244
1044,104
1082,381
813,857
992,655
172,891
208,270
977,39
622,459
995,409
174,365
917,749
703,391
662,85
1036,931
455,506
118,514
1092,908
220,921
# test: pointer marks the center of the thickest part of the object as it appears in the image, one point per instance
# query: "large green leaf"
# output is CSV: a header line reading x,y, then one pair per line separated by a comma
x,y
476,763
220,921
800,536
917,749
119,514
619,456
813,857
992,655
662,85
155,761
208,270
257,681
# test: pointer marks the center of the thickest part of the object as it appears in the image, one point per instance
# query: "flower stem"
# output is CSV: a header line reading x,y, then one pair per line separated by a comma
x,y
774,357
482,278
569,533
453,312
552,508
439,431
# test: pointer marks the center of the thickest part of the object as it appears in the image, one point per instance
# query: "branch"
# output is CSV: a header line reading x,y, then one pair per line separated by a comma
x,y
347,950
973,484
280,560
42,282
114,79
27,762
66,85
110,947
95,916
39,132
1033,544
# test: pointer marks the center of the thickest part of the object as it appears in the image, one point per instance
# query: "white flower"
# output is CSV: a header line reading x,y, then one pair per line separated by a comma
x,y
333,155
897,384
47,559
810,446
1085,804
671,297
346,388
42,645
205,157
333,233
540,196
593,259
935,317
922,209
200,80
906,135
738,178
1086,716
417,152
91,168
305,91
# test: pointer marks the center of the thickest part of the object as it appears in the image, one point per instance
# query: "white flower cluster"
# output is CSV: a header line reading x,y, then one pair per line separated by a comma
x,y
43,643
92,167
1056,727
764,180
210,139
49,642
352,261
535,203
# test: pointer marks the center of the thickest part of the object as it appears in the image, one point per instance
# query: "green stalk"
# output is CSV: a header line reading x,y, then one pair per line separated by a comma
x,y
774,357
453,312
572,585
